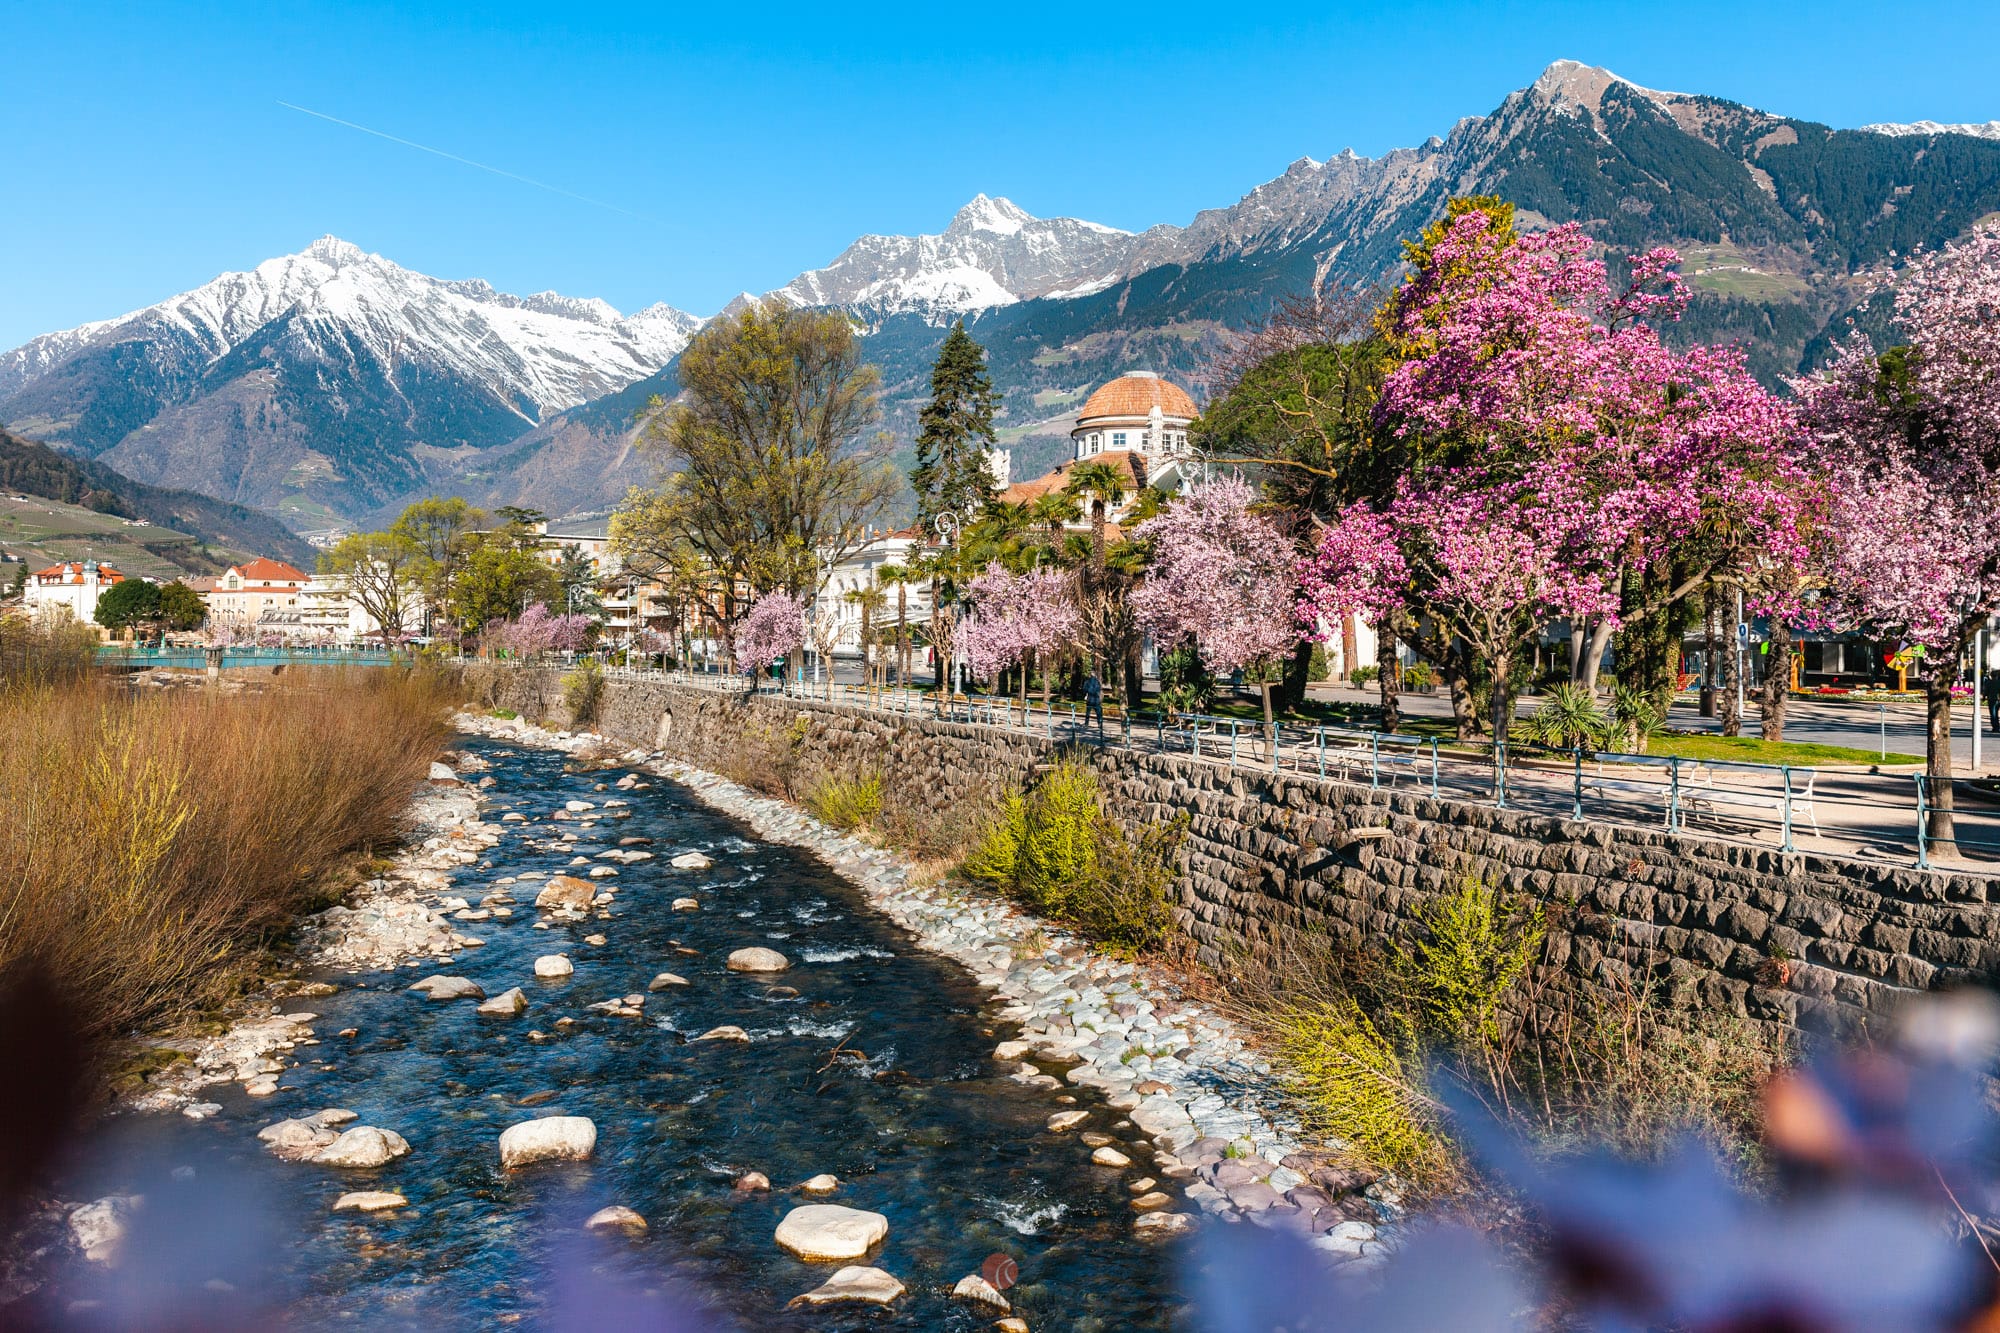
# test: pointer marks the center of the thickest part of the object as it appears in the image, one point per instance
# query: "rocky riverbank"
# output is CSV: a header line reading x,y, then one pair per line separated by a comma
x,y
1182,1074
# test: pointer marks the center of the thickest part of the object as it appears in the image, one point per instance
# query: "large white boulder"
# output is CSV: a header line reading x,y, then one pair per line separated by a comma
x,y
362,1147
449,988
510,1003
691,861
566,891
571,1138
551,966
828,1233
99,1228
853,1285
757,959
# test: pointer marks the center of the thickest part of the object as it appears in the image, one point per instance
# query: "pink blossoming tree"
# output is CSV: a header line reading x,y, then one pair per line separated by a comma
x,y
1222,579
1562,460
1017,617
1912,438
774,627
537,630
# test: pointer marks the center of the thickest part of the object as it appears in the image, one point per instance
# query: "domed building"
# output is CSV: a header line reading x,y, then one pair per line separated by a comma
x,y
1139,412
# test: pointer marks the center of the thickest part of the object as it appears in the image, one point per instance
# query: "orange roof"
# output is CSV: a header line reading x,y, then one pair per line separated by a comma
x,y
73,569
1027,492
1136,395
271,571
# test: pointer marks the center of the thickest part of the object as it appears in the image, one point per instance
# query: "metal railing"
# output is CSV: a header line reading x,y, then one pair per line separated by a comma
x,y
1798,808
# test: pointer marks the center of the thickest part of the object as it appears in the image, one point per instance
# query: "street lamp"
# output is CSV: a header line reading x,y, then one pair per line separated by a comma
x,y
947,525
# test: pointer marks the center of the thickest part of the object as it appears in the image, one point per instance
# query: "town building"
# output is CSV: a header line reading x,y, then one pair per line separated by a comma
x,y
243,594
1138,424
73,587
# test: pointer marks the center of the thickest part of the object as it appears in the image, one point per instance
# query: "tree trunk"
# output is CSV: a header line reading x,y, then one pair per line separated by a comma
x,y
902,635
1385,678
1349,646
1500,700
1777,679
1600,639
1021,670
1298,675
1937,750
1732,666
1270,725
1465,718
1135,675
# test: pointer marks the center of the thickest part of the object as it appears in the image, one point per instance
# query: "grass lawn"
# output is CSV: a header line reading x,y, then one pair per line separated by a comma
x,y
1754,750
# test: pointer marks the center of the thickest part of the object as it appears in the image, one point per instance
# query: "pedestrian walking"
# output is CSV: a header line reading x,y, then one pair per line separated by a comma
x,y
1993,702
1093,702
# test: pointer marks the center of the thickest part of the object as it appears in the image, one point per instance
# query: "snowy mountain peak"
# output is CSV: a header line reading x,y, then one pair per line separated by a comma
x,y
1585,85
1985,130
1001,216
332,250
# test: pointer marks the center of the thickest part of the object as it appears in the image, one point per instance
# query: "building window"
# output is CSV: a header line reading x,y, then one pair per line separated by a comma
x,y
1118,439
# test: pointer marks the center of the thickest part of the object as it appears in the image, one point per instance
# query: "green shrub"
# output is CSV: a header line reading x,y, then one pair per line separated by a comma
x,y
1474,945
846,803
1185,684
1419,676
1635,717
1364,675
583,691
1352,1085
1570,719
1053,848
1317,667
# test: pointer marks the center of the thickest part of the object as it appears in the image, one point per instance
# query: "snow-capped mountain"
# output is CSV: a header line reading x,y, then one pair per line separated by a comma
x,y
328,379
1985,130
994,253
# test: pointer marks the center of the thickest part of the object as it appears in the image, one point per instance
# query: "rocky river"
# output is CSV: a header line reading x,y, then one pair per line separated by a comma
x,y
755,1073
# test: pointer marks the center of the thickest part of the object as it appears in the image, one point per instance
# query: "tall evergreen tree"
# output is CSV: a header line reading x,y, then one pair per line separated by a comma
x,y
954,431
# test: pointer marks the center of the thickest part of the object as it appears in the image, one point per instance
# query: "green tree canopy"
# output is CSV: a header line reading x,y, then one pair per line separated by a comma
x,y
955,429
127,604
378,571
181,607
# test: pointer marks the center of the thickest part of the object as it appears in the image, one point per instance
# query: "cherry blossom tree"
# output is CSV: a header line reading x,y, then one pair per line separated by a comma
x,y
1016,617
1222,579
774,627
1912,438
538,630
1640,473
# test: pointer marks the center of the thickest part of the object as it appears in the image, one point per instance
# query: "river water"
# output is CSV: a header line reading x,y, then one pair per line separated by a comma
x,y
927,1130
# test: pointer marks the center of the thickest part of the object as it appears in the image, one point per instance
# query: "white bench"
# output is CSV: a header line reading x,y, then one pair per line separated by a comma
x,y
1700,791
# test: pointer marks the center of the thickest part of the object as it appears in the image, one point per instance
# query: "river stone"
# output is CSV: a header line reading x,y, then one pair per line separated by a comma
x,y
1160,1115
727,1032
1161,1224
442,773
1011,1325
363,1147
99,1228
566,891
510,1003
1110,1157
449,988
976,1289
686,905
691,861
1152,1202
820,1184
752,1181
551,1138
578,807
1065,1120
853,1285
551,966
1009,1051
828,1233
666,981
296,1138
616,1217
369,1201
757,959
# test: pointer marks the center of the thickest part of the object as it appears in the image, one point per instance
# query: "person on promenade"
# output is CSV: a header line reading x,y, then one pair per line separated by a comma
x,y
1093,702
1993,702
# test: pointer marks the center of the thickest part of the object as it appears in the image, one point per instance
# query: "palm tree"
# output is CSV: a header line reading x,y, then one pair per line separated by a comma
x,y
870,599
900,578
1054,511
1104,486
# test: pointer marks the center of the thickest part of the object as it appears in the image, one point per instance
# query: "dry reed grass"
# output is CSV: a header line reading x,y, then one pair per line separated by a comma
x,y
152,841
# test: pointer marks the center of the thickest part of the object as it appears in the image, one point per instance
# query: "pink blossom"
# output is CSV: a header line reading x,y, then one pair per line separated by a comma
x,y
1015,614
774,627
1222,578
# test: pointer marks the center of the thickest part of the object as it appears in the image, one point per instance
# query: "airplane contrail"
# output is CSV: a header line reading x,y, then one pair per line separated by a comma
x,y
454,157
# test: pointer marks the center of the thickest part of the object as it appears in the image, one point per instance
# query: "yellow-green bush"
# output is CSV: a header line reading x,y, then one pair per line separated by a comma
x,y
1475,944
1352,1084
583,692
846,802
1054,848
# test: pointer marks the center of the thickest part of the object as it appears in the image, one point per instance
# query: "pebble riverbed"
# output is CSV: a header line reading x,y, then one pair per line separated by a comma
x,y
1027,1098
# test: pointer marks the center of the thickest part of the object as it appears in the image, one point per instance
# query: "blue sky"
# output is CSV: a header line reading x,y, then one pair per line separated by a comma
x,y
143,148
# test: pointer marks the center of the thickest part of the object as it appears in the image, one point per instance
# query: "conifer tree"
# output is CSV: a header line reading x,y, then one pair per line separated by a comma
x,y
954,431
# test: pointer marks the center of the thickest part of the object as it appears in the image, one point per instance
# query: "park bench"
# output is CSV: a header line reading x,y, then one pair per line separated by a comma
x,y
1700,791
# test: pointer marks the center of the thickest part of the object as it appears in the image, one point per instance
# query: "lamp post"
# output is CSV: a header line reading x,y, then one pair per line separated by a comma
x,y
947,526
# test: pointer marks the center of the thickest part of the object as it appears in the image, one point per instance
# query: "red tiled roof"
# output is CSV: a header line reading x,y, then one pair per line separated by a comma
x,y
1027,492
1136,396
264,570
74,569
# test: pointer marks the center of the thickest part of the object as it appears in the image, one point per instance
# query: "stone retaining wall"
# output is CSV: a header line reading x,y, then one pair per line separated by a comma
x,y
1269,855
